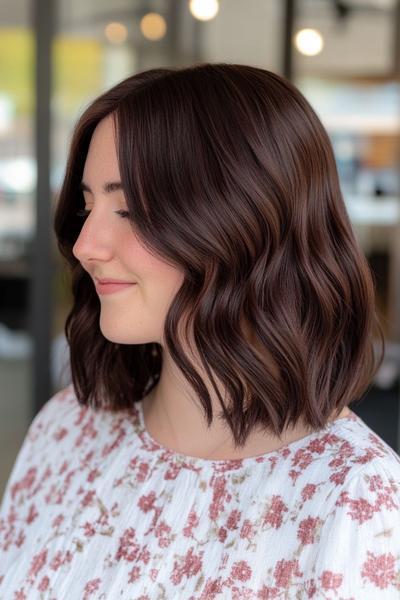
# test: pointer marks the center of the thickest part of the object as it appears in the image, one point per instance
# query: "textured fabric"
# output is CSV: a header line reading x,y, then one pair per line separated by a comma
x,y
96,509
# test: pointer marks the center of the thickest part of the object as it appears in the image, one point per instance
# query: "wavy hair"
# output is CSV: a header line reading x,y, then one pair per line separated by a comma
x,y
230,176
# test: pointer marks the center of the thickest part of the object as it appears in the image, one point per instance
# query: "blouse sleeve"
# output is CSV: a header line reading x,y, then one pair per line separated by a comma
x,y
35,442
359,550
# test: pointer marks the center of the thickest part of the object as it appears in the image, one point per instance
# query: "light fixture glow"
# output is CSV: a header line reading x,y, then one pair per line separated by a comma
x,y
204,10
308,41
153,26
116,33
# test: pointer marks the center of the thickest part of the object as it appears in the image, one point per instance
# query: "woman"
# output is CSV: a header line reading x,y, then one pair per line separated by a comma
x,y
206,448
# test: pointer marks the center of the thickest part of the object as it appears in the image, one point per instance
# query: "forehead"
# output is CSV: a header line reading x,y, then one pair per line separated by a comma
x,y
101,159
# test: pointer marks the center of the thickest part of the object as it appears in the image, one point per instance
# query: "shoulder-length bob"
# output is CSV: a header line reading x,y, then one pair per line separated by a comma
x,y
230,176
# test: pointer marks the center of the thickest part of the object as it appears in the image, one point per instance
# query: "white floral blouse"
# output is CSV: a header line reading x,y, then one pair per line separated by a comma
x,y
96,509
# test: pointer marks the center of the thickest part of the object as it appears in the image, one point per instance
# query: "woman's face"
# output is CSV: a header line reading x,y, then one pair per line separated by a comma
x,y
107,247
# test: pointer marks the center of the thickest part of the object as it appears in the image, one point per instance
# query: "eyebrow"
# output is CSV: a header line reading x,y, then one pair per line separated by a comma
x,y
108,187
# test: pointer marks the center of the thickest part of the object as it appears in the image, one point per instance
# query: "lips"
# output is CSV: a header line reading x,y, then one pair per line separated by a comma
x,y
108,280
109,286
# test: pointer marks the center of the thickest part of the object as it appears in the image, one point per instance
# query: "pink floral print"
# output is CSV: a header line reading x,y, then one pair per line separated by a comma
x,y
96,509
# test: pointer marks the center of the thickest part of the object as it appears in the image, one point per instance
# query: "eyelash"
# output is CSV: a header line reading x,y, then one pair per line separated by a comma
x,y
85,213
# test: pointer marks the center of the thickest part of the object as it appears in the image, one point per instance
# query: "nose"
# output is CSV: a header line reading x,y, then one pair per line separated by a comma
x,y
94,242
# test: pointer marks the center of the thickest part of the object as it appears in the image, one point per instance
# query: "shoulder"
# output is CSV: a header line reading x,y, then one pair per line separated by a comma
x,y
62,404
343,489
341,454
365,475
54,420
67,426
330,461
364,457
358,549
371,493
45,440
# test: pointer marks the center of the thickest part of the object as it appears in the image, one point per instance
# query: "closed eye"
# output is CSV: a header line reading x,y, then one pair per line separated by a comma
x,y
85,213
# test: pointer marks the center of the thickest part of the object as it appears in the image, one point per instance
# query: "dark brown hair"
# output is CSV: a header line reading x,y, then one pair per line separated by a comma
x,y
230,176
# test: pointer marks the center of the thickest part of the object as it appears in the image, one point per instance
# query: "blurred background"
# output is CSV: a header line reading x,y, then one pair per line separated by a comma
x,y
55,56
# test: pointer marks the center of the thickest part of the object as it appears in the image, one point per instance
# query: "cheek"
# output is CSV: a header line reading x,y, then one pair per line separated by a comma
x,y
159,291
159,281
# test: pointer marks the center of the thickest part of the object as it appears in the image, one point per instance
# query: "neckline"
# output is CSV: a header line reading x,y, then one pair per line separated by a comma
x,y
197,462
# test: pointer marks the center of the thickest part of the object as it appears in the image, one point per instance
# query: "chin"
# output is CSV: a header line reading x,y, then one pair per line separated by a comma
x,y
122,335
114,334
